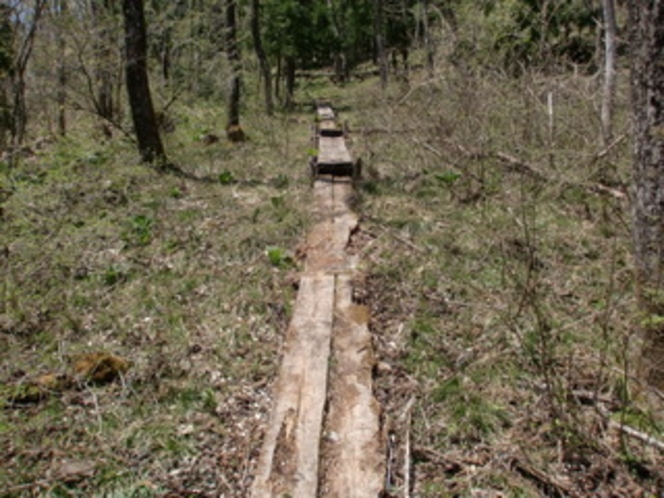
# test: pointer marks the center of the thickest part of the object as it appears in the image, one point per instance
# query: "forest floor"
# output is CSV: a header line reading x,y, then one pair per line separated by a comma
x,y
499,280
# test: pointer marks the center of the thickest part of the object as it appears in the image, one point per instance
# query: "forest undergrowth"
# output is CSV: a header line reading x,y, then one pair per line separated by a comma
x,y
498,241
496,244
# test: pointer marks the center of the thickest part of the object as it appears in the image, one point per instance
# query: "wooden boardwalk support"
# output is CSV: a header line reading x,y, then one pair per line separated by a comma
x,y
333,157
324,438
330,128
325,112
332,151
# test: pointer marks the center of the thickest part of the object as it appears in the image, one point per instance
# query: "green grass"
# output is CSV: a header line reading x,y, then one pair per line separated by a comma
x,y
498,296
171,274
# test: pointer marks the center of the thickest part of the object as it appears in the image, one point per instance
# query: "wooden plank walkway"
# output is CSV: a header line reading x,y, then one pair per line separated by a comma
x,y
289,460
352,448
332,151
324,385
325,112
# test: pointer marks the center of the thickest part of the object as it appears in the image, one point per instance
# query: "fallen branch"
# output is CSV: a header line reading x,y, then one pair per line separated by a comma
x,y
412,89
646,439
428,147
407,456
598,188
597,401
452,465
514,164
641,436
605,151
519,166
28,487
402,240
550,484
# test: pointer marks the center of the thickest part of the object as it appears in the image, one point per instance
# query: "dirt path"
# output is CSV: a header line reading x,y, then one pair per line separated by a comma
x,y
324,438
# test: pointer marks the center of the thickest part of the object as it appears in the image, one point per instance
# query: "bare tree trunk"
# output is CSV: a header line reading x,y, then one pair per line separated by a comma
x,y
104,67
163,45
62,9
336,22
277,79
428,42
379,34
19,115
609,71
266,71
6,58
138,87
233,129
647,75
290,81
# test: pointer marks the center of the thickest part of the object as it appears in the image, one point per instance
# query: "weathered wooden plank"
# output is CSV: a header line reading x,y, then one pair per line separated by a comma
x,y
289,461
328,239
330,128
324,112
332,150
354,463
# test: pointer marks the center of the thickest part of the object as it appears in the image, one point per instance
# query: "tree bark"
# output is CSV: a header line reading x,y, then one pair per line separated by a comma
x,y
290,81
138,87
647,77
428,41
6,58
336,23
610,35
19,111
277,80
62,9
379,34
104,65
233,54
266,71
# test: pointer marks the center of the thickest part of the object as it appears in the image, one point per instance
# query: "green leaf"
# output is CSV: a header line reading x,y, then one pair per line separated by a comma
x,y
278,257
226,178
448,177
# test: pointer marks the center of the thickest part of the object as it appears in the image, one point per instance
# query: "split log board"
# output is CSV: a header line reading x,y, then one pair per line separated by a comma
x,y
333,151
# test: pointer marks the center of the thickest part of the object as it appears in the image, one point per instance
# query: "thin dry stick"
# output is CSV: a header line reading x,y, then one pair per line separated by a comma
x,y
447,460
27,487
428,147
630,431
406,459
400,239
591,397
514,164
641,436
553,486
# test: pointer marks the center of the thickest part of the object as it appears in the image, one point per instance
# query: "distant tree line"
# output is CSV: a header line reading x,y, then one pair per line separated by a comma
x,y
191,44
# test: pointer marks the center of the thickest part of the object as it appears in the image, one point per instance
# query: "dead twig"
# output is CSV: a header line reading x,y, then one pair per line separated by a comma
x,y
519,166
27,487
407,456
605,151
598,402
646,439
399,239
641,436
514,164
452,465
551,485
428,147
598,188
